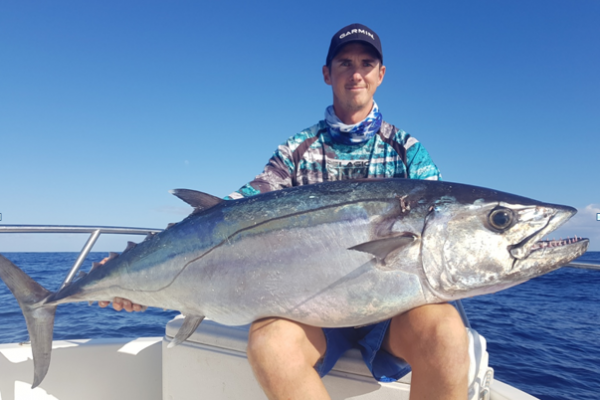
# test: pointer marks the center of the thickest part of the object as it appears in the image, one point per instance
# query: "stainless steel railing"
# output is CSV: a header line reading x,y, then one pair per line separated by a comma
x,y
93,231
584,265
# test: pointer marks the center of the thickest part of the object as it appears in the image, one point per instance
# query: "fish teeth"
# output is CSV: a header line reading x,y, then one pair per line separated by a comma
x,y
556,243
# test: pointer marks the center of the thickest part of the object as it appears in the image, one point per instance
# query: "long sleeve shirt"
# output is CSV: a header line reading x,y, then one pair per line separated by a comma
x,y
312,156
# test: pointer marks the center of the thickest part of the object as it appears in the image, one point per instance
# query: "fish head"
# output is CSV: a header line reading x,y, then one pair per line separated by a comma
x,y
488,241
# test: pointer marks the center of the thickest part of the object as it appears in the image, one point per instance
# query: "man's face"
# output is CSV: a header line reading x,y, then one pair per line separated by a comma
x,y
354,76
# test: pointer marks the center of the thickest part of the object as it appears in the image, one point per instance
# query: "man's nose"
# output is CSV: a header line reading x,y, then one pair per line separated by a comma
x,y
356,75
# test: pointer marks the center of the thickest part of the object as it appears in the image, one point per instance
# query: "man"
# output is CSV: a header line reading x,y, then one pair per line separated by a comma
x,y
288,358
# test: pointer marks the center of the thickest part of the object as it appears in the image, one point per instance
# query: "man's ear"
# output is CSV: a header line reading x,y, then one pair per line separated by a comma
x,y
326,75
381,74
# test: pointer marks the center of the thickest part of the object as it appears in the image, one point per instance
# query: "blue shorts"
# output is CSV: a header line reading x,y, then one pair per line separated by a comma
x,y
368,339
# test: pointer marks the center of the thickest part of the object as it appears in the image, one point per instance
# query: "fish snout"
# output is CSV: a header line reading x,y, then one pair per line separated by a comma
x,y
547,217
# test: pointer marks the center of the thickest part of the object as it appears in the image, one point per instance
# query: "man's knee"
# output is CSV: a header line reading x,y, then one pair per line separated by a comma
x,y
434,334
277,342
264,339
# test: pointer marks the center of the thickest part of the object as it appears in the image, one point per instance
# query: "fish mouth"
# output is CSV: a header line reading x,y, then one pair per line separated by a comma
x,y
556,253
558,216
550,254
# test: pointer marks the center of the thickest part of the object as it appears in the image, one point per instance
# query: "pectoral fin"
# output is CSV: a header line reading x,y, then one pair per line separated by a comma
x,y
190,323
381,248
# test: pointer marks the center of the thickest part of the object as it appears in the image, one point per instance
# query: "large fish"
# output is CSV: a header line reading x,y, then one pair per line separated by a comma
x,y
332,254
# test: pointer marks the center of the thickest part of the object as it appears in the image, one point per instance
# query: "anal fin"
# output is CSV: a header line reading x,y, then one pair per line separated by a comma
x,y
190,323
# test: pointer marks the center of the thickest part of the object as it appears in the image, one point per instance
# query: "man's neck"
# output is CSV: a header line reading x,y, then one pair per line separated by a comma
x,y
351,117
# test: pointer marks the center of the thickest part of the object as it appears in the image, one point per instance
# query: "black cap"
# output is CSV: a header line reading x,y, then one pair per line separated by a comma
x,y
353,33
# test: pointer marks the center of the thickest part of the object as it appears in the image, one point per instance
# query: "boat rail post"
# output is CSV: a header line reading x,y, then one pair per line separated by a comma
x,y
87,247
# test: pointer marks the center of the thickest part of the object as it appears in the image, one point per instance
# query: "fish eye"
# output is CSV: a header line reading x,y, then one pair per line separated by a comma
x,y
501,218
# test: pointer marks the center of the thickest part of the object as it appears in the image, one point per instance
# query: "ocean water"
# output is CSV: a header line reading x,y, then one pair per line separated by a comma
x,y
543,336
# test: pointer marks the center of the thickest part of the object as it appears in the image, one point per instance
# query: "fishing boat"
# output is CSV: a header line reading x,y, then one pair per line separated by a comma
x,y
210,364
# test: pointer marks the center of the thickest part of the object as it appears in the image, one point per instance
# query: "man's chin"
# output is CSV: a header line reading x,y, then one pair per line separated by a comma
x,y
358,103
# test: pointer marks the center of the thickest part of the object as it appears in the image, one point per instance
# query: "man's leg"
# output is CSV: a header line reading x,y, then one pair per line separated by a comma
x,y
433,340
282,354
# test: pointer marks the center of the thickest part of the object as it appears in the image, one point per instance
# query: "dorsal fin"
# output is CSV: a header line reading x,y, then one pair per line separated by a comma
x,y
149,236
198,200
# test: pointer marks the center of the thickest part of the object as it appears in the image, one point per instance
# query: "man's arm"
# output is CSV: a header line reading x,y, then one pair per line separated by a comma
x,y
419,162
277,175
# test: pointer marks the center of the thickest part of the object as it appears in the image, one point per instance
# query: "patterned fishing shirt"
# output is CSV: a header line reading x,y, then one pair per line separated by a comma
x,y
312,156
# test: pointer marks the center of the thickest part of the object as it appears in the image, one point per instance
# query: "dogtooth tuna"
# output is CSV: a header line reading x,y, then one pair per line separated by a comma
x,y
332,254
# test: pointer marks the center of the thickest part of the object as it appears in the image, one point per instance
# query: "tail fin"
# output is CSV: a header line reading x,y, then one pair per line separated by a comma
x,y
39,317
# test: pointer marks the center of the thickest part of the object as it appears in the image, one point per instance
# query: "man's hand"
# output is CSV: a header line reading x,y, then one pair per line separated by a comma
x,y
118,302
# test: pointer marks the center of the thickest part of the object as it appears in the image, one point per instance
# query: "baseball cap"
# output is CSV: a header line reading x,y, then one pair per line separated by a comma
x,y
353,33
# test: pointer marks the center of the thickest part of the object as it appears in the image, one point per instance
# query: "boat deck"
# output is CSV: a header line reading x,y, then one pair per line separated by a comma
x,y
211,365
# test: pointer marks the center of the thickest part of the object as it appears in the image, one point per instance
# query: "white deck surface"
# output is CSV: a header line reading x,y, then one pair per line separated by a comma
x,y
212,365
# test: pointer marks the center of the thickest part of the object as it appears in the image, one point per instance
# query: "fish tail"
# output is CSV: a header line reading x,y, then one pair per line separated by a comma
x,y
38,316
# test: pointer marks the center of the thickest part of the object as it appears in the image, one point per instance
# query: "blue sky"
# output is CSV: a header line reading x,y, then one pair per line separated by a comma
x,y
106,105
